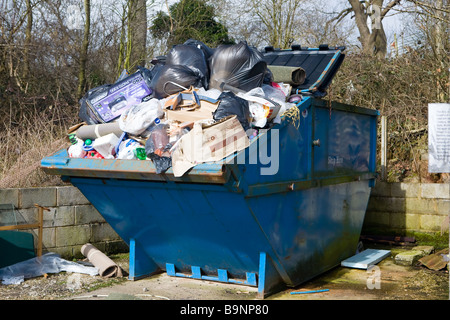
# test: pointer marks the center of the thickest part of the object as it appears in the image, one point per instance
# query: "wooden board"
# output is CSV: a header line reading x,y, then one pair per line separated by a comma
x,y
365,259
15,246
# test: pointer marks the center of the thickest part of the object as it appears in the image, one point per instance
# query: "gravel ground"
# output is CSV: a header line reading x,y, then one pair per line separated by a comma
x,y
397,283
60,286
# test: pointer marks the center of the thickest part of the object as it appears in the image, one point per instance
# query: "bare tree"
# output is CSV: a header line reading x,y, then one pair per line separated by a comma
x,y
29,28
84,49
373,40
278,18
137,25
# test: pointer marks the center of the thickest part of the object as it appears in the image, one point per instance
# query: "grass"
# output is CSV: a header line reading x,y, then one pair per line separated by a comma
x,y
437,240
107,283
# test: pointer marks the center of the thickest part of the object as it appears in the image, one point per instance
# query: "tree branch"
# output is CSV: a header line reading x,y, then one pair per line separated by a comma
x,y
390,5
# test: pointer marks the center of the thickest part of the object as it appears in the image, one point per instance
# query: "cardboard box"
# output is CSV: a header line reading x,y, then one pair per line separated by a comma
x,y
202,112
208,143
109,105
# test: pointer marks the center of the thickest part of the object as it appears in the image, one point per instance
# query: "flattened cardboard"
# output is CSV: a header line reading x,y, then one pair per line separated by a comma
x,y
205,112
206,143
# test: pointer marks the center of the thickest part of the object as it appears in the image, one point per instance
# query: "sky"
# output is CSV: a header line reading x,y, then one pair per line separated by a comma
x,y
393,23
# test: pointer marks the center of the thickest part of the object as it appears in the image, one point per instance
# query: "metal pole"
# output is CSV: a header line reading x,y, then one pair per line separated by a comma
x,y
383,148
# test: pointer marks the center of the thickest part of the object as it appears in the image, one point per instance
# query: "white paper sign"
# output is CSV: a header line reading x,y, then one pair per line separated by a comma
x,y
438,137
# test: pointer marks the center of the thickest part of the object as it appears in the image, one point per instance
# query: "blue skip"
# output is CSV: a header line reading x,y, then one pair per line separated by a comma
x,y
230,222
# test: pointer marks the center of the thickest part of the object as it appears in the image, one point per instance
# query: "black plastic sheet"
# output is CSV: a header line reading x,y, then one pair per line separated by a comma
x,y
230,104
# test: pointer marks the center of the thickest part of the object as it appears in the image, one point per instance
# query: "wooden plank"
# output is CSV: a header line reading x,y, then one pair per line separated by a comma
x,y
20,227
365,259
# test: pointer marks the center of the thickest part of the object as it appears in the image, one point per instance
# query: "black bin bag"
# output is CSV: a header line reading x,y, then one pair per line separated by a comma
x,y
236,65
230,104
170,79
191,57
207,51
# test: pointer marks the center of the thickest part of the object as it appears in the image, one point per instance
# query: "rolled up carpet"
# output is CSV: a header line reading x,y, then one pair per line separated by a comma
x,y
291,75
95,131
106,267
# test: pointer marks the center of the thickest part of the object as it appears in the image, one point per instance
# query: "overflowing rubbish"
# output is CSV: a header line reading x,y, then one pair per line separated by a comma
x,y
38,266
106,267
146,115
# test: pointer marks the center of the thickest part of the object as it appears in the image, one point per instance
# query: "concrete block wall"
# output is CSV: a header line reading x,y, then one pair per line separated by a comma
x,y
71,222
400,207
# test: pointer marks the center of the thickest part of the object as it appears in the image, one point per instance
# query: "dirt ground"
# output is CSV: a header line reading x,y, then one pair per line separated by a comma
x,y
396,283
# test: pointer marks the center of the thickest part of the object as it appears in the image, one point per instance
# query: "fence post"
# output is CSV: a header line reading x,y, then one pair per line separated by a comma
x,y
383,148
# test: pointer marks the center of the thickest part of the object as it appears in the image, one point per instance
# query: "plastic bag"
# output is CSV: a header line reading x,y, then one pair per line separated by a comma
x,y
130,149
207,51
157,148
237,65
259,118
76,149
170,79
139,117
47,263
230,104
274,93
191,57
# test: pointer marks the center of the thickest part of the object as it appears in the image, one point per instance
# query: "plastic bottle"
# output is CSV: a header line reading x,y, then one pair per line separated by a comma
x,y
140,154
73,138
160,138
87,146
149,129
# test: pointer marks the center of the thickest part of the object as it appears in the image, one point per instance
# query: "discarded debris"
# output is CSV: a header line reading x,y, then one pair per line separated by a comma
x,y
436,261
310,291
106,267
409,257
366,258
394,240
38,266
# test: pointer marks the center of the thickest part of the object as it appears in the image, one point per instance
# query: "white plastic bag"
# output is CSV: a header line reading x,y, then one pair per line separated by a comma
x,y
34,267
76,150
139,117
258,114
126,149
